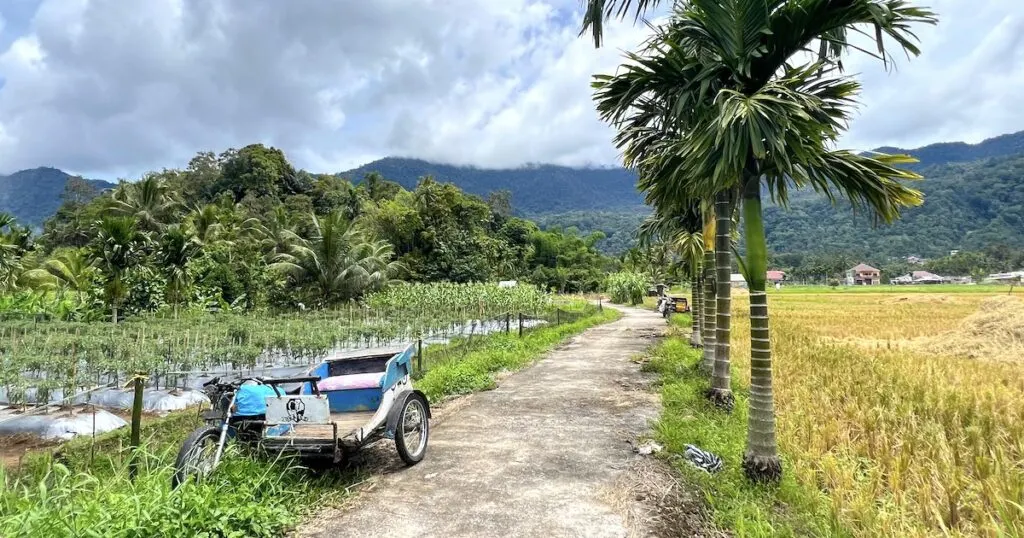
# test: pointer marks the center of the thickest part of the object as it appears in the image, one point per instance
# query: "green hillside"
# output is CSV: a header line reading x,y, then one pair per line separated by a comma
x,y
974,194
536,189
34,195
967,206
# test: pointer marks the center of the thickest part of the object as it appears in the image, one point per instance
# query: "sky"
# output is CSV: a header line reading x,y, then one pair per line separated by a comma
x,y
114,88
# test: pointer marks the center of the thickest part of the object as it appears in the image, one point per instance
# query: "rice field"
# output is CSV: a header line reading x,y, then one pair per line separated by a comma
x,y
890,406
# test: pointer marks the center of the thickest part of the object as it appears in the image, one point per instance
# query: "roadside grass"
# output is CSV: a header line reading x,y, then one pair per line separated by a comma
x,y
475,370
83,488
789,509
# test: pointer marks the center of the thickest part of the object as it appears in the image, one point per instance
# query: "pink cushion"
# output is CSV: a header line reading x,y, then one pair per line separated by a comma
x,y
351,381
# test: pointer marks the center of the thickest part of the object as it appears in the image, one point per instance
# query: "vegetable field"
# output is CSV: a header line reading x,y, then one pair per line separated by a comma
x,y
46,361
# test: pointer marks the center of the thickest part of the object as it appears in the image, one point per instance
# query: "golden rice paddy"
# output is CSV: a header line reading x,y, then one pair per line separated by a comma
x,y
906,410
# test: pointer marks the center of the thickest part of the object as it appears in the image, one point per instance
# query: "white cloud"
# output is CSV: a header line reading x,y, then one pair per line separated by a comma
x,y
964,86
115,87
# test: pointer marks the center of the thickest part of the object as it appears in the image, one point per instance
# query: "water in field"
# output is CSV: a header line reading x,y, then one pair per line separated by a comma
x,y
108,390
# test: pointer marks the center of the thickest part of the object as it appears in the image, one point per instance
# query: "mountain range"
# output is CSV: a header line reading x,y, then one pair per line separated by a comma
x,y
973,196
34,195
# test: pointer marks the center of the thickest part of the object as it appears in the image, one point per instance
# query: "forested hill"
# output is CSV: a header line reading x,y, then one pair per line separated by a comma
x,y
953,152
968,205
535,189
33,195
974,194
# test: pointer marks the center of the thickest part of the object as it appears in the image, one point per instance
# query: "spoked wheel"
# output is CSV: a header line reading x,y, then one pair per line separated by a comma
x,y
413,430
197,455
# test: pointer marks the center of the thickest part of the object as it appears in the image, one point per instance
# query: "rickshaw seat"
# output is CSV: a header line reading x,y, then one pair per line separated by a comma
x,y
370,380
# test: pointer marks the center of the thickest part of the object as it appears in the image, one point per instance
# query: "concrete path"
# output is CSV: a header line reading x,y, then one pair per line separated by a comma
x,y
548,453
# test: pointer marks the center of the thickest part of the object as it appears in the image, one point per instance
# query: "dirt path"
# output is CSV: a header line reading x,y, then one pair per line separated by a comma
x,y
548,453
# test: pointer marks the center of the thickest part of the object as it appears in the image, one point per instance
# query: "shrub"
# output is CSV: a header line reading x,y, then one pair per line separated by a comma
x,y
626,287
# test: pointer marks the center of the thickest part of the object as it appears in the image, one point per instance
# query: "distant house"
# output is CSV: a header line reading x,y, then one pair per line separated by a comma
x,y
863,275
737,280
776,276
905,279
1005,278
919,277
924,277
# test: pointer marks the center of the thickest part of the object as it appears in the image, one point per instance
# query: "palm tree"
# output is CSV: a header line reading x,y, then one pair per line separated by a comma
x,y
68,270
15,245
178,246
206,223
765,123
116,248
337,262
277,236
149,200
681,228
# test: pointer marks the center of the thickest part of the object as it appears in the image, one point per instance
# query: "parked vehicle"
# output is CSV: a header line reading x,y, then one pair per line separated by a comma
x,y
340,405
668,305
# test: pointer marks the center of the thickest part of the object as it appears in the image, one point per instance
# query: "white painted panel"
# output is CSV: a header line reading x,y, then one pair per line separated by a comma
x,y
304,409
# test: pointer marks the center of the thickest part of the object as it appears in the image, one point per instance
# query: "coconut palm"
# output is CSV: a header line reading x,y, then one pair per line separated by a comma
x,y
277,236
206,223
337,262
746,118
70,269
149,200
178,246
116,248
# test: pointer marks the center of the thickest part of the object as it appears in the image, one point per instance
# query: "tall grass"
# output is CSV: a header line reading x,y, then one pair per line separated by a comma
x,y
789,510
79,493
475,370
626,287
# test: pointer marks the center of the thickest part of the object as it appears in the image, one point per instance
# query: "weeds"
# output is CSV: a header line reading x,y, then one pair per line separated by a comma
x,y
790,509
475,371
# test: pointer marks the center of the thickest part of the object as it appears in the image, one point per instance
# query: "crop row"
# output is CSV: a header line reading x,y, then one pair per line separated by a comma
x,y
45,357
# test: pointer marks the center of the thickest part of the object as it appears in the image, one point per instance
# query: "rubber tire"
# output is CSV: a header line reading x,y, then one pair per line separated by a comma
x,y
403,451
180,475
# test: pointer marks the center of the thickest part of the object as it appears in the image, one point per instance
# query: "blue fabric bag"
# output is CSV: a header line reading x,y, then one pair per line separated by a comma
x,y
251,399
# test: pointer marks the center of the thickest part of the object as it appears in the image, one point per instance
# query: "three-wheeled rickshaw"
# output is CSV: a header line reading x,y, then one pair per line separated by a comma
x,y
335,408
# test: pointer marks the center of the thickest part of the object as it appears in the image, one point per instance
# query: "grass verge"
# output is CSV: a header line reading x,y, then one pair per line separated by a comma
x,y
84,489
789,509
498,352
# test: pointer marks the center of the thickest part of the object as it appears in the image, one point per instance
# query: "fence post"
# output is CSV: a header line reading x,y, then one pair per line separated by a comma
x,y
558,316
508,319
600,307
133,465
419,355
520,325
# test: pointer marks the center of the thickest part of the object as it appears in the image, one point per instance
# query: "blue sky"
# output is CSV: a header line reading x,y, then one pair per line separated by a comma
x,y
113,88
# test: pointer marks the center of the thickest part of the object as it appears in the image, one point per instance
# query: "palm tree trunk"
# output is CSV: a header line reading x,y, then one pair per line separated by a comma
x,y
761,461
695,310
113,312
699,313
708,365
721,391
